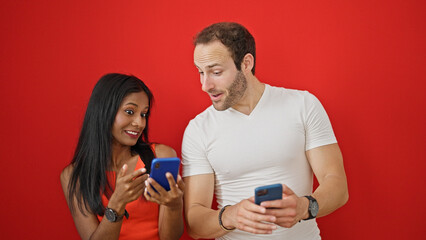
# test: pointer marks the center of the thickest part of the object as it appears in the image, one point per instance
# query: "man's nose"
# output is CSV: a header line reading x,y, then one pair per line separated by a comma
x,y
206,83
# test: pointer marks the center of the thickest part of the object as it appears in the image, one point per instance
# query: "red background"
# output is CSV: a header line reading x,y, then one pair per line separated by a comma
x,y
365,60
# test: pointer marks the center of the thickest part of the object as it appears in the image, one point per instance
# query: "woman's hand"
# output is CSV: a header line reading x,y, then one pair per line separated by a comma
x,y
172,198
127,188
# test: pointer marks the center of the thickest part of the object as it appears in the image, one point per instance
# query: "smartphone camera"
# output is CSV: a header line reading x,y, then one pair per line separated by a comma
x,y
157,165
262,192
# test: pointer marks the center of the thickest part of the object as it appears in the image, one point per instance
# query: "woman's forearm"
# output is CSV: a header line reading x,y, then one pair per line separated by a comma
x,y
170,224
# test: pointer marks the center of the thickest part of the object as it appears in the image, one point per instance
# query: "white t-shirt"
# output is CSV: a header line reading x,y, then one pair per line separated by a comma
x,y
266,147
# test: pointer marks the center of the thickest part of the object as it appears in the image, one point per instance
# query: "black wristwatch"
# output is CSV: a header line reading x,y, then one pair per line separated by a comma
x,y
112,215
313,207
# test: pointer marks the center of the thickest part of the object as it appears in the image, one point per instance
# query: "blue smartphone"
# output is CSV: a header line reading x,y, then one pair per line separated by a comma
x,y
159,168
268,193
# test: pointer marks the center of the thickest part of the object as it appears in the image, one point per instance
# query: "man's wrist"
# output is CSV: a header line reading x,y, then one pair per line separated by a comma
x,y
223,221
305,208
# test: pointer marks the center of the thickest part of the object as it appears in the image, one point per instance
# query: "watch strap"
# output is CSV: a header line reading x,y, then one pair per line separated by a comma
x,y
125,214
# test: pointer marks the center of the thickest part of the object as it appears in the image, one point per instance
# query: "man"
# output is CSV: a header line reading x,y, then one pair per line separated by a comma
x,y
255,135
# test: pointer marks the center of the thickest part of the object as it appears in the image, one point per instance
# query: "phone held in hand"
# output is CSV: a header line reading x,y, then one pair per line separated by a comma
x,y
159,168
268,193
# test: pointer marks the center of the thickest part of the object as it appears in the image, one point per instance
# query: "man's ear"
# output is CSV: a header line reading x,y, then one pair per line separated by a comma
x,y
247,63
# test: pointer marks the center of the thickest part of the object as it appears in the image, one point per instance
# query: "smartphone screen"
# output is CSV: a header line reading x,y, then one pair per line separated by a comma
x,y
268,193
159,168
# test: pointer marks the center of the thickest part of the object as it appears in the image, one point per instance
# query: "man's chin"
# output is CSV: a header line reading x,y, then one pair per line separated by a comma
x,y
219,107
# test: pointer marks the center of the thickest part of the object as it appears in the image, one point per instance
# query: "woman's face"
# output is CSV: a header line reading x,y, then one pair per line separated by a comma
x,y
130,120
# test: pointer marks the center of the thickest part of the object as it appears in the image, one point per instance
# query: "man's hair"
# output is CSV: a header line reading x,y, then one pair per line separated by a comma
x,y
234,36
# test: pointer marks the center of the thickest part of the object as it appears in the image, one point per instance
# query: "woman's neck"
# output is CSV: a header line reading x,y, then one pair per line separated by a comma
x,y
120,156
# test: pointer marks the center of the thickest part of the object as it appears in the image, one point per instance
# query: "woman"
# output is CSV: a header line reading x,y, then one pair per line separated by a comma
x,y
107,187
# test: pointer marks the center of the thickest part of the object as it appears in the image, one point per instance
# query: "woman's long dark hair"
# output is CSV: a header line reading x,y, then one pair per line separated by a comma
x,y
92,157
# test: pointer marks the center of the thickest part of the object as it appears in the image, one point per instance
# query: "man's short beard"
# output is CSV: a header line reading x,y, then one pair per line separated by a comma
x,y
235,92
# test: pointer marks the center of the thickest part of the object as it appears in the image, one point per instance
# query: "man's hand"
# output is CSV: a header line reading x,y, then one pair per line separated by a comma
x,y
289,210
250,217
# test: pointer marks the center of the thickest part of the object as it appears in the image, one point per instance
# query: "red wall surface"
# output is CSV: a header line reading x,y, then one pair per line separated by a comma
x,y
364,59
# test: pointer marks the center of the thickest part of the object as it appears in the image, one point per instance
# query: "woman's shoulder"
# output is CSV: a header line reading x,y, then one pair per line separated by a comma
x,y
66,174
164,151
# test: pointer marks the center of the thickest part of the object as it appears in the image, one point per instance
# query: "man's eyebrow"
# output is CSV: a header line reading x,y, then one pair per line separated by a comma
x,y
208,66
213,65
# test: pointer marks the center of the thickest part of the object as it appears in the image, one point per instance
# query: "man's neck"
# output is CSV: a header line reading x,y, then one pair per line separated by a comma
x,y
251,97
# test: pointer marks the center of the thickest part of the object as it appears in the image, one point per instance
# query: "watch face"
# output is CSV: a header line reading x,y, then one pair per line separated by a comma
x,y
314,208
110,215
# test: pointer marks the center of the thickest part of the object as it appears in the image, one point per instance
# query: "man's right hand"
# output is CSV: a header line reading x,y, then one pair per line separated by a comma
x,y
248,216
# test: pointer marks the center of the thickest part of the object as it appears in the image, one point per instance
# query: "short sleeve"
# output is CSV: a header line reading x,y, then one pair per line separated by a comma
x,y
194,158
318,129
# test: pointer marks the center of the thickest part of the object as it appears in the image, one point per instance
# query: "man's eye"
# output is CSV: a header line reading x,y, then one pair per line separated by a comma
x,y
130,112
144,115
217,73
